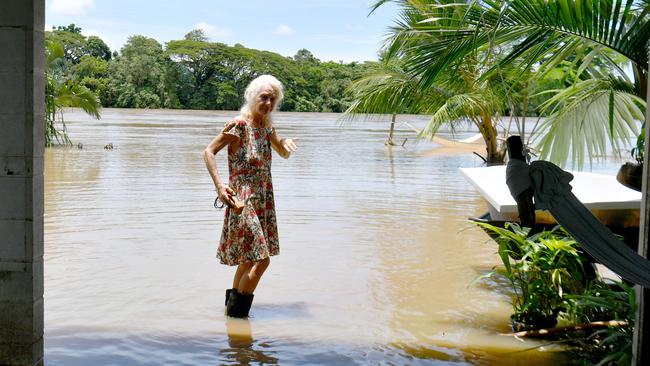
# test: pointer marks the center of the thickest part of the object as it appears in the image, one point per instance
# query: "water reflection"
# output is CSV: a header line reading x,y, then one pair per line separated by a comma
x,y
243,350
391,163
239,332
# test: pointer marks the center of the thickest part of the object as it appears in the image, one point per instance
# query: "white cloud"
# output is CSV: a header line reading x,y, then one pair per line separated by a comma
x,y
212,31
284,30
71,7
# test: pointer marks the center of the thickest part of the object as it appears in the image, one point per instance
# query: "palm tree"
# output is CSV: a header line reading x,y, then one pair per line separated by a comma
x,y
61,92
436,35
459,95
387,89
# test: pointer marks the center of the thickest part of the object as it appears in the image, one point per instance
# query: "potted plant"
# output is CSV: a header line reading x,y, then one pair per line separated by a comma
x,y
631,174
544,266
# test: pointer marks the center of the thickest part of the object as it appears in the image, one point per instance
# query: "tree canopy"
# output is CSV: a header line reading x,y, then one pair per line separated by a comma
x,y
195,73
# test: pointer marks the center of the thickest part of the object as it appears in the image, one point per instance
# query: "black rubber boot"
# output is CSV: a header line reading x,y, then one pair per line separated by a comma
x,y
228,292
239,305
246,303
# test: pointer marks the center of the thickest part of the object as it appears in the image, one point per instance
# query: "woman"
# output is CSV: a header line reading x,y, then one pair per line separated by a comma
x,y
249,236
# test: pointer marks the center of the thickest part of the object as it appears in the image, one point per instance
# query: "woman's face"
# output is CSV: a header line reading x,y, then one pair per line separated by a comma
x,y
265,101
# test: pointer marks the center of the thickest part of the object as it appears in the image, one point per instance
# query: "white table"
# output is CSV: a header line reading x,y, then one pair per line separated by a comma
x,y
598,192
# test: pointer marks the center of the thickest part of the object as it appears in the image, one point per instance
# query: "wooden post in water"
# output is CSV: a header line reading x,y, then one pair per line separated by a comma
x,y
641,341
525,205
390,132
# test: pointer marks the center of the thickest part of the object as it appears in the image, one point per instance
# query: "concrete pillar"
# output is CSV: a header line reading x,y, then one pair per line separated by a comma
x,y
21,181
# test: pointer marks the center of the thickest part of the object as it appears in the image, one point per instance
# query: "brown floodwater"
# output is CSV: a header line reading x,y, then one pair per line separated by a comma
x,y
376,266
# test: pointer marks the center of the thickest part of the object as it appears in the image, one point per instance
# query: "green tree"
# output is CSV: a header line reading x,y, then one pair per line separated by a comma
x,y
71,28
197,35
335,79
76,45
214,75
73,43
458,97
195,58
600,106
195,73
92,72
62,92
304,55
138,76
96,47
138,45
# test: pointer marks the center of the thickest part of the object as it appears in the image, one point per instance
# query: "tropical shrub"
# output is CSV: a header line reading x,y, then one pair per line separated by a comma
x,y
548,279
61,91
541,268
603,302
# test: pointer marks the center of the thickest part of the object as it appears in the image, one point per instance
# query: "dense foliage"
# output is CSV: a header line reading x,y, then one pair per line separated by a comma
x,y
194,73
563,59
551,284
62,91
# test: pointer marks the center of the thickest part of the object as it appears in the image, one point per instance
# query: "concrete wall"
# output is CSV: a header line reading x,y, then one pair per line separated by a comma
x,y
21,181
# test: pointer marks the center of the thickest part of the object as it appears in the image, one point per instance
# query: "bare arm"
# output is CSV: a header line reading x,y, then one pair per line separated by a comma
x,y
284,147
222,140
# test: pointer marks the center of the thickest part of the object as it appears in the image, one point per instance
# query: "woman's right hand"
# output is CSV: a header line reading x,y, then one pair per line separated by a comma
x,y
228,126
224,192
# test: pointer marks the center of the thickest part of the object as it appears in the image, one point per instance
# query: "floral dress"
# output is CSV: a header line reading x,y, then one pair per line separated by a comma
x,y
251,235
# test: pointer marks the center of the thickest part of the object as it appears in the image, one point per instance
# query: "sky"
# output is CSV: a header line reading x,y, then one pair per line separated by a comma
x,y
333,30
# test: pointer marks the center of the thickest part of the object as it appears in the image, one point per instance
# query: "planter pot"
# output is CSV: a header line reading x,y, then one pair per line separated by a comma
x,y
630,175
532,324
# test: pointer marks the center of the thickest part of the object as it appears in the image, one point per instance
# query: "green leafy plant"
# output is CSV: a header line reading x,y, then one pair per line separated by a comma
x,y
548,279
603,302
61,92
541,269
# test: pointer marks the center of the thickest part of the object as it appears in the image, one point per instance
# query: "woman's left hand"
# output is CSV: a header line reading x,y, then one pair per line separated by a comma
x,y
289,144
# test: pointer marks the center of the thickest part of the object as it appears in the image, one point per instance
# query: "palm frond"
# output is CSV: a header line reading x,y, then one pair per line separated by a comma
x,y
71,94
390,92
533,30
61,91
589,119
53,52
458,109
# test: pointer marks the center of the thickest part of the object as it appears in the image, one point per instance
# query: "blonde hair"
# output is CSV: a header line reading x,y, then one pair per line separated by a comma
x,y
255,87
